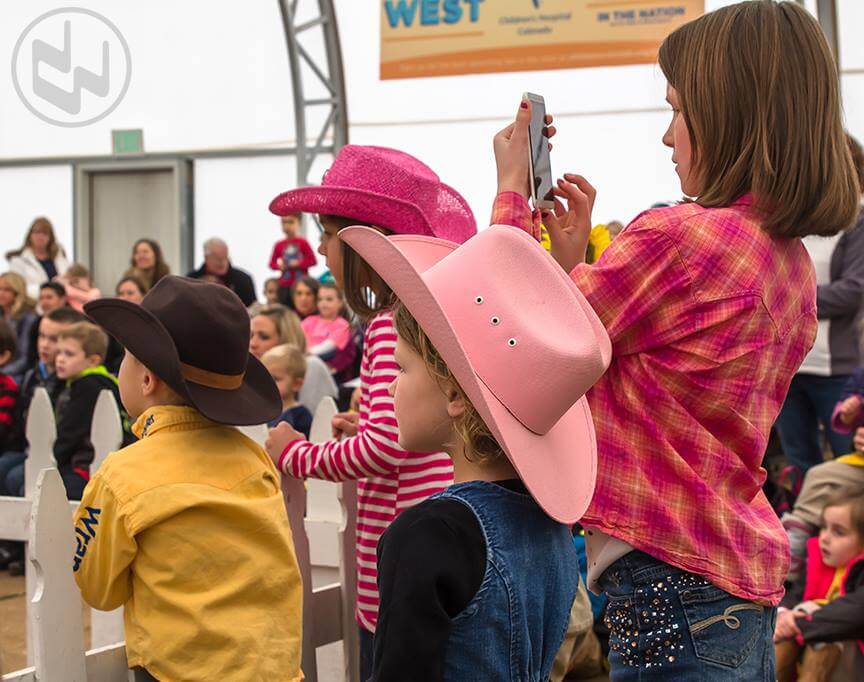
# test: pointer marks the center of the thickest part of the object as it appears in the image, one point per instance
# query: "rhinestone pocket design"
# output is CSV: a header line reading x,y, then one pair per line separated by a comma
x,y
644,630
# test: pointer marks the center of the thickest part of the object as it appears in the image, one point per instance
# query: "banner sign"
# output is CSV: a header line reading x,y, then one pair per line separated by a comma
x,y
421,38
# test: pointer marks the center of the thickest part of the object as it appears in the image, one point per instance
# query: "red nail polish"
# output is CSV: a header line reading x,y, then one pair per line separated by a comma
x,y
523,104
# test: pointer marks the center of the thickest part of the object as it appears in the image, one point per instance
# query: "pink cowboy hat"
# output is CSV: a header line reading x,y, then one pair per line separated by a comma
x,y
521,340
387,188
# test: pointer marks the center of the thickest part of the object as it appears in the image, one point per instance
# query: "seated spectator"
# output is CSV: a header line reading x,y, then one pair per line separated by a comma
x,y
131,288
8,388
42,374
271,291
328,334
292,256
822,480
17,309
304,297
9,551
147,263
275,325
40,259
826,605
81,352
217,268
52,295
287,366
79,288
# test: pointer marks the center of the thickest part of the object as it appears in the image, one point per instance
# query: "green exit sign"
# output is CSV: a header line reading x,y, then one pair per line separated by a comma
x,y
128,141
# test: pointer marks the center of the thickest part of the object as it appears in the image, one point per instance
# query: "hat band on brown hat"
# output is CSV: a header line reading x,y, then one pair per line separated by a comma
x,y
203,377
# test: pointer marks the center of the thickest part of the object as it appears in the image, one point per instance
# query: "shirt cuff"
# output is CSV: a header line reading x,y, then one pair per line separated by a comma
x,y
511,208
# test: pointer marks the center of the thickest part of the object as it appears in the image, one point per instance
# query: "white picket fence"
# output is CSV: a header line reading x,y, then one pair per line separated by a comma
x,y
322,518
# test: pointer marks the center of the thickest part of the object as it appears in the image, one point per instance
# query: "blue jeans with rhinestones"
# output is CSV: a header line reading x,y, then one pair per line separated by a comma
x,y
667,624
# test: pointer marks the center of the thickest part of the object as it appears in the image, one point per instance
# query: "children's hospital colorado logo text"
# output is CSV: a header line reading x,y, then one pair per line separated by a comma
x,y
71,67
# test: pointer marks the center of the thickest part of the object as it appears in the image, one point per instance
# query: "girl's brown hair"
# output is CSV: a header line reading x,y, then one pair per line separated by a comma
x,y
759,92
365,292
854,499
160,267
41,224
479,442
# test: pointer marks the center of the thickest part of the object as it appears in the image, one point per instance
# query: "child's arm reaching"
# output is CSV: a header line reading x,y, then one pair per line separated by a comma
x,y
847,414
840,620
105,548
375,450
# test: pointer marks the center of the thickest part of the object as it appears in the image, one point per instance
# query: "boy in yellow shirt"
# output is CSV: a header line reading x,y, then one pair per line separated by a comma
x,y
187,528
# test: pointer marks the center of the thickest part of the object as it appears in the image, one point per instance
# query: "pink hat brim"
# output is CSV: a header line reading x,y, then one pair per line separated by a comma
x,y
559,468
347,202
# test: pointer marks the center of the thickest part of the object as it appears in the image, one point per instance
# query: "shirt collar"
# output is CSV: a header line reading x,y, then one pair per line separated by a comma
x,y
169,417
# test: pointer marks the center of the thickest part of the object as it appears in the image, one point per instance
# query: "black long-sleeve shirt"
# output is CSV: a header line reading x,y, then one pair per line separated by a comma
x,y
431,562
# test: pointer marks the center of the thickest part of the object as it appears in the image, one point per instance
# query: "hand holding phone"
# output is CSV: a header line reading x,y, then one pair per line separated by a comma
x,y
539,163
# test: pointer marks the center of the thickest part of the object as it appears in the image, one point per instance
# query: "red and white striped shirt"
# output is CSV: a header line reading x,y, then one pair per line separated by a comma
x,y
390,479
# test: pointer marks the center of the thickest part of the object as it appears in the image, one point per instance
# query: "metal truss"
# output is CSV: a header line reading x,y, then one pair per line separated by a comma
x,y
311,143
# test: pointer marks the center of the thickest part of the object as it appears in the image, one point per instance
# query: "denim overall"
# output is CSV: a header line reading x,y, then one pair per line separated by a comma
x,y
516,622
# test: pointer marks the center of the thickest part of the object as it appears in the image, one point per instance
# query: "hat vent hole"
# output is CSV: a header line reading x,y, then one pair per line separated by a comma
x,y
478,300
496,321
512,343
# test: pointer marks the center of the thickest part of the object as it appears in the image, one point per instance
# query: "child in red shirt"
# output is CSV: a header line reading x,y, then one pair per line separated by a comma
x,y
292,256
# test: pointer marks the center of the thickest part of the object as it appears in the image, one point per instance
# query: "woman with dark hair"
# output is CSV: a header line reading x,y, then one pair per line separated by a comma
x,y
304,297
147,262
40,259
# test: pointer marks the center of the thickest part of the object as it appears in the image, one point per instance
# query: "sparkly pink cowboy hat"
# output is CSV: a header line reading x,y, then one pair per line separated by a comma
x,y
387,188
521,340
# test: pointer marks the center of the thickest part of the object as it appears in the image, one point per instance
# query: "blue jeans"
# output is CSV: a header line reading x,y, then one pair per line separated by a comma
x,y
9,462
667,624
811,399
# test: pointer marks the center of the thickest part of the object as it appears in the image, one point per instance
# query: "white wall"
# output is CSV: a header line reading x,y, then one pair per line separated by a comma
x,y
214,75
28,192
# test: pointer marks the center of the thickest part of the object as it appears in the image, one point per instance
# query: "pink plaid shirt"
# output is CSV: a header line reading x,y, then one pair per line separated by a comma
x,y
709,319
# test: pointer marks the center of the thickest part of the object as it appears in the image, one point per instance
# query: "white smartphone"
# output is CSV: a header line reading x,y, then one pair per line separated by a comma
x,y
539,164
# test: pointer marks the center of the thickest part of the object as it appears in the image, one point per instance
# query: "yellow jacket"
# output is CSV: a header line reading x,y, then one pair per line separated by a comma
x,y
187,529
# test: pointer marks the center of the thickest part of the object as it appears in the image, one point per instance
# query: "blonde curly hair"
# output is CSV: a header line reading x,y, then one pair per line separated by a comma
x,y
480,444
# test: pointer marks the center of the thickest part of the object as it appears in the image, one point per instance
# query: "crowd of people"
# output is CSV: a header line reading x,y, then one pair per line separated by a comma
x,y
524,421
304,332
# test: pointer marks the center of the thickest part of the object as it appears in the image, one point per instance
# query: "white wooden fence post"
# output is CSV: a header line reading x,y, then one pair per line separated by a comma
x,y
106,435
59,632
41,434
348,580
328,611
294,493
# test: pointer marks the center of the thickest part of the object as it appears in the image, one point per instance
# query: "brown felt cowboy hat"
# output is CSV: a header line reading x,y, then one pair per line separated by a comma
x,y
194,336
